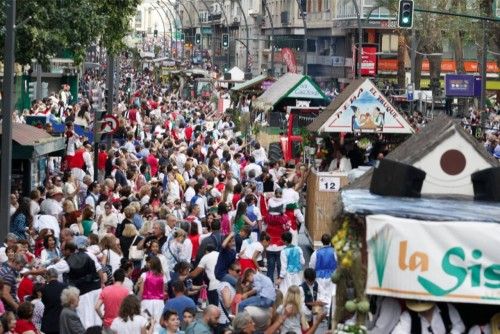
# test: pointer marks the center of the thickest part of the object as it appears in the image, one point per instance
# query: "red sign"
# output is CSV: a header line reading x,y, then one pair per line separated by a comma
x,y
447,65
369,61
109,124
289,58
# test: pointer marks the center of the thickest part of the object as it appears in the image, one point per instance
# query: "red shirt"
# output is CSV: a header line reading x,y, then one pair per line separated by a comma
x,y
153,163
236,199
25,288
102,157
112,297
188,132
23,325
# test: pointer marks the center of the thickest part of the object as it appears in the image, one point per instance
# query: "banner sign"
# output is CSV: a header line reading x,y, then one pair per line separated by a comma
x,y
366,110
369,61
289,58
305,90
428,260
461,85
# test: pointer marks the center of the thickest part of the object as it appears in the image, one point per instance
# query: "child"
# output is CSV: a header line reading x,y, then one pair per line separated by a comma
x,y
292,264
295,322
188,317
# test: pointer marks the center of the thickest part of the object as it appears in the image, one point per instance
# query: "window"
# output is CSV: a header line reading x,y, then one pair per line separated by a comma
x,y
389,43
138,19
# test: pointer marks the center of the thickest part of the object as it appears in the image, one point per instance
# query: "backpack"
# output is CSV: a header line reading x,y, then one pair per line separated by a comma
x,y
416,325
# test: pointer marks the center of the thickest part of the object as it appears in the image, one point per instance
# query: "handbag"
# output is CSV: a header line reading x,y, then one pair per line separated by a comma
x,y
134,253
108,271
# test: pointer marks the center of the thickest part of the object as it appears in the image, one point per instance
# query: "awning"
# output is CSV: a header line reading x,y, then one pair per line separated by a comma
x,y
290,85
37,141
252,82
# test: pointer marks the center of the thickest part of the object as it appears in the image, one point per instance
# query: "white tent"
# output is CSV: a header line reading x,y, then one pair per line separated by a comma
x,y
237,74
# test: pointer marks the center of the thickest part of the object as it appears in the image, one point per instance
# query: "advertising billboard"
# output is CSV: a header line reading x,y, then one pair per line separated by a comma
x,y
459,85
369,61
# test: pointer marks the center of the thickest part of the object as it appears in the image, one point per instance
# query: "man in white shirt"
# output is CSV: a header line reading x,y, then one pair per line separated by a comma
x,y
252,166
42,221
207,264
53,204
430,318
259,153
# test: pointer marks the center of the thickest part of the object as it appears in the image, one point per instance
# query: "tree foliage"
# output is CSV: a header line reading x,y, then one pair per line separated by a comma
x,y
51,26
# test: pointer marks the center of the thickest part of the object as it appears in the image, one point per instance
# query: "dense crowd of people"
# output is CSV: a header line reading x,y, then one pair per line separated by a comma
x,y
184,226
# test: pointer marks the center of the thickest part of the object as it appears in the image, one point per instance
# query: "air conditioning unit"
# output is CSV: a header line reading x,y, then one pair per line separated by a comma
x,y
253,12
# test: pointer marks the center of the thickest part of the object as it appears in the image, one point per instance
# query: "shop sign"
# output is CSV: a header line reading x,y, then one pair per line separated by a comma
x,y
428,260
329,183
367,110
369,61
305,90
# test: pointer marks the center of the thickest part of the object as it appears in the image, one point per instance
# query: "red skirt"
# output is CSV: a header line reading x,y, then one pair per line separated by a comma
x,y
246,264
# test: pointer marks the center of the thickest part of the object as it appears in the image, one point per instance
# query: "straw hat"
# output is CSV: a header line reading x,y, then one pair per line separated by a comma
x,y
419,305
55,191
495,324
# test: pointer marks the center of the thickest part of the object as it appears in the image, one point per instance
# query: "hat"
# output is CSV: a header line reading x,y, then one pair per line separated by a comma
x,y
55,191
11,236
419,305
81,242
495,324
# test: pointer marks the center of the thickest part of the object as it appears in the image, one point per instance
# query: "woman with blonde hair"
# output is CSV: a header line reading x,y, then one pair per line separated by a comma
x,y
295,321
188,170
130,237
112,254
173,250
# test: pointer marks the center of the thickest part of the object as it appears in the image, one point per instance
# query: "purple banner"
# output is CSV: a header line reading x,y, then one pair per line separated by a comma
x,y
460,85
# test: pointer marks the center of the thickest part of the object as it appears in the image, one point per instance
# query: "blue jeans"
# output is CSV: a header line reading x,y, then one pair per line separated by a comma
x,y
258,301
230,279
273,260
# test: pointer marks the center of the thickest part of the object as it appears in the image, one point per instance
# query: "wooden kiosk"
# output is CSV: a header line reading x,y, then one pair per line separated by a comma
x,y
360,108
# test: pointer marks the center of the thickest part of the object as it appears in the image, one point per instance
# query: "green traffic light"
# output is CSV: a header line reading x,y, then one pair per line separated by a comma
x,y
406,20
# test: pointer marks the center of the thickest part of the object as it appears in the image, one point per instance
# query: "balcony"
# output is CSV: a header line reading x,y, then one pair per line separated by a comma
x,y
319,19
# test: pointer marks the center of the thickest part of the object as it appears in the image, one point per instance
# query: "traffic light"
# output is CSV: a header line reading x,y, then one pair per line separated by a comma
x,y
197,39
182,36
225,41
32,90
405,17
155,33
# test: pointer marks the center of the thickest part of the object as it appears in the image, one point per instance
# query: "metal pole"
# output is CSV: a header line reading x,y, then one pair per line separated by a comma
x,y
413,56
110,89
228,58
247,68
164,29
484,60
201,26
38,68
8,88
175,23
304,22
271,72
360,39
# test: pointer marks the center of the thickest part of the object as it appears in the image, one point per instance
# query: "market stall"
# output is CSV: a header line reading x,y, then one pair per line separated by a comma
x,y
31,150
360,109
424,225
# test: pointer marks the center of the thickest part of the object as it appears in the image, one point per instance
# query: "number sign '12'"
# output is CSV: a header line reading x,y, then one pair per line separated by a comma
x,y
329,183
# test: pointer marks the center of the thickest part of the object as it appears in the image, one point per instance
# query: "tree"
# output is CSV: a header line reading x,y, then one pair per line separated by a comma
x,y
53,26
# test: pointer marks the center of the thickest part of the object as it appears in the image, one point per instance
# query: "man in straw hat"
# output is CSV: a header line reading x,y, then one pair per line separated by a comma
x,y
423,317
